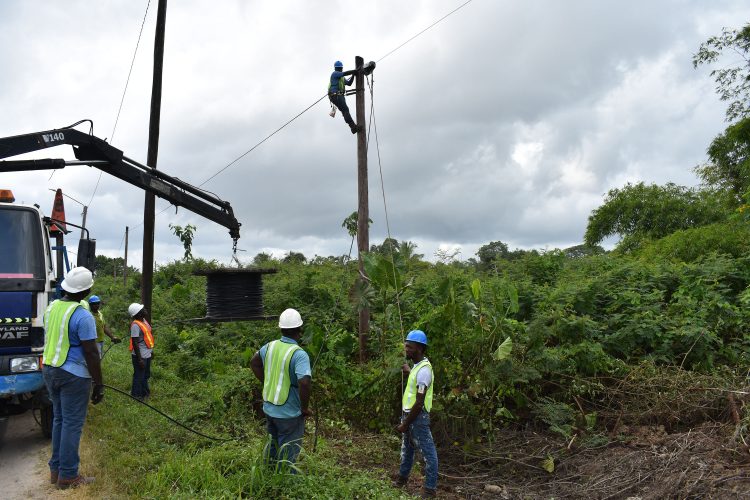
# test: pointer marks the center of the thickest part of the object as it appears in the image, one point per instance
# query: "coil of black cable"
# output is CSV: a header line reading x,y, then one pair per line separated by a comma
x,y
234,293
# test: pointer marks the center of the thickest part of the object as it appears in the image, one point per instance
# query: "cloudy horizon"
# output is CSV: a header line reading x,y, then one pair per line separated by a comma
x,y
506,121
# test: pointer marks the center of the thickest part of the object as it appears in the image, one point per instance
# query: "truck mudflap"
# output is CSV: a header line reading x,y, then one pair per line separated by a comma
x,y
11,385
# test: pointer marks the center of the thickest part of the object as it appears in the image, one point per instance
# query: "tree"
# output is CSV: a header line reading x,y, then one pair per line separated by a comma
x,y
294,257
733,81
108,266
262,259
491,251
185,234
580,251
729,168
640,211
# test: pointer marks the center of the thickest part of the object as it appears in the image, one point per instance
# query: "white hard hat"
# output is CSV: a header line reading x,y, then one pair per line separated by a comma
x,y
290,318
134,308
77,280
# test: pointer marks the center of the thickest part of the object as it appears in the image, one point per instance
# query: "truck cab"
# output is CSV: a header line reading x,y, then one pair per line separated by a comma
x,y
27,285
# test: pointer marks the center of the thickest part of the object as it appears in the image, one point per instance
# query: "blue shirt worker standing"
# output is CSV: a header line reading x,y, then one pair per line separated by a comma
x,y
415,418
336,93
71,362
283,368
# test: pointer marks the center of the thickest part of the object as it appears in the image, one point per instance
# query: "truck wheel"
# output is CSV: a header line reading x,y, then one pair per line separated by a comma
x,y
46,415
3,427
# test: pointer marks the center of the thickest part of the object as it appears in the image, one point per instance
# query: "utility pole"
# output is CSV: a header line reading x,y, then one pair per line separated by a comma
x,y
125,265
83,222
363,204
151,157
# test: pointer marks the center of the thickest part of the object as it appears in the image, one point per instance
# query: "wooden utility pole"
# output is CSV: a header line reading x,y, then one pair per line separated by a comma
x,y
125,265
363,206
153,153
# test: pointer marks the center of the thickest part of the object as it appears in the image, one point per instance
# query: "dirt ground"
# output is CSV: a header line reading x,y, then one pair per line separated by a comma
x,y
24,474
22,462
639,463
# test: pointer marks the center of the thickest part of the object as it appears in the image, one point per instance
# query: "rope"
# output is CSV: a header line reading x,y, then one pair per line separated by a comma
x,y
122,100
385,204
385,209
213,438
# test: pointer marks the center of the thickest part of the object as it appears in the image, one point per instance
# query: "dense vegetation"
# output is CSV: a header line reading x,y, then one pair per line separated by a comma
x,y
546,338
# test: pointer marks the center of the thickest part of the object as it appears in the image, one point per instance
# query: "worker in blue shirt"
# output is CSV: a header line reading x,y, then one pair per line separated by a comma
x,y
336,91
283,368
71,365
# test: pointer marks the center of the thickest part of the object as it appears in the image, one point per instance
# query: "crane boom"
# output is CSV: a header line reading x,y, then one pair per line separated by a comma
x,y
93,151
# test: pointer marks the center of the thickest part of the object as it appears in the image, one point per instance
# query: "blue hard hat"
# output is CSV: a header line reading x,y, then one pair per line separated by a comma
x,y
338,64
417,336
94,299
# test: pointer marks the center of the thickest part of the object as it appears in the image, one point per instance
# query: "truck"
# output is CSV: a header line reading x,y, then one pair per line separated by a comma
x,y
34,259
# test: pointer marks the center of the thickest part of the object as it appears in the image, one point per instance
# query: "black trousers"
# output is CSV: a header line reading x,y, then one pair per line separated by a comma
x,y
339,101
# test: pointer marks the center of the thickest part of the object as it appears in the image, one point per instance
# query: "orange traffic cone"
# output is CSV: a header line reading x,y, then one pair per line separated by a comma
x,y
58,213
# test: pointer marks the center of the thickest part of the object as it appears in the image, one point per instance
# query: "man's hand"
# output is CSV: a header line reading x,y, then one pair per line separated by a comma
x,y
115,340
405,369
141,363
401,428
307,413
97,394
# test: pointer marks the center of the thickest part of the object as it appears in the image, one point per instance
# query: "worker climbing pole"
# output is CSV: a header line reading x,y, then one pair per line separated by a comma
x,y
337,95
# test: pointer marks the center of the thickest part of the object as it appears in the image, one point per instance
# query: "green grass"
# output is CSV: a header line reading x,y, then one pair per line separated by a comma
x,y
135,452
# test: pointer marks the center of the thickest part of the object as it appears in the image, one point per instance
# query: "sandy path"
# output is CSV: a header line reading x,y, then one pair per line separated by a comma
x,y
23,460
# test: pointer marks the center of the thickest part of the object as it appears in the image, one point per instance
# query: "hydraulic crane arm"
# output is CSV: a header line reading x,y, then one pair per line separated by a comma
x,y
91,150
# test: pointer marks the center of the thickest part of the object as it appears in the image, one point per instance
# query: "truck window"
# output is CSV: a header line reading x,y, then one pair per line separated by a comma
x,y
21,245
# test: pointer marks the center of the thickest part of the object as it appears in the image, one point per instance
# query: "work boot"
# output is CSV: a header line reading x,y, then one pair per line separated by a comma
x,y
400,481
53,474
355,128
428,493
64,484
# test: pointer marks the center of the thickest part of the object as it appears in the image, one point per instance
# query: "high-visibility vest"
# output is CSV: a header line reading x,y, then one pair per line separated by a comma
x,y
410,392
338,87
148,337
56,341
276,379
99,319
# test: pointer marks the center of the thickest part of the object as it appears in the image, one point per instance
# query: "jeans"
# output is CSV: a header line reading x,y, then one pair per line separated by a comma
x,y
70,397
140,388
418,436
339,101
286,438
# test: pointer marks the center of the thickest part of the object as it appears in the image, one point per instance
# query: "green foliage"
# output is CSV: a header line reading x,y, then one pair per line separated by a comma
x,y
729,167
640,212
108,266
185,234
688,245
732,81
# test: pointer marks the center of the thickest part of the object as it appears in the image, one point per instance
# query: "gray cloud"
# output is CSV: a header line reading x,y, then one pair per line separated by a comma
x,y
506,121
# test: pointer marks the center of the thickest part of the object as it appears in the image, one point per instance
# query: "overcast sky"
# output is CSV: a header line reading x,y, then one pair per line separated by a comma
x,y
508,120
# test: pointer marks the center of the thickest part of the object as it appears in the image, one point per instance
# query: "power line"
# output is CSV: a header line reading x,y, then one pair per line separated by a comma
x,y
316,102
427,28
122,100
264,140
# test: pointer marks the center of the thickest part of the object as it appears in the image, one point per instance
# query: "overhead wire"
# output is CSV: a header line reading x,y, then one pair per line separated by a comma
x,y
122,100
264,139
238,158
427,28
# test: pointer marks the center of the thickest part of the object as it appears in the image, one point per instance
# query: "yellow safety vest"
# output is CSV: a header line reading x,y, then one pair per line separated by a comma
x,y
276,379
148,337
56,341
410,392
